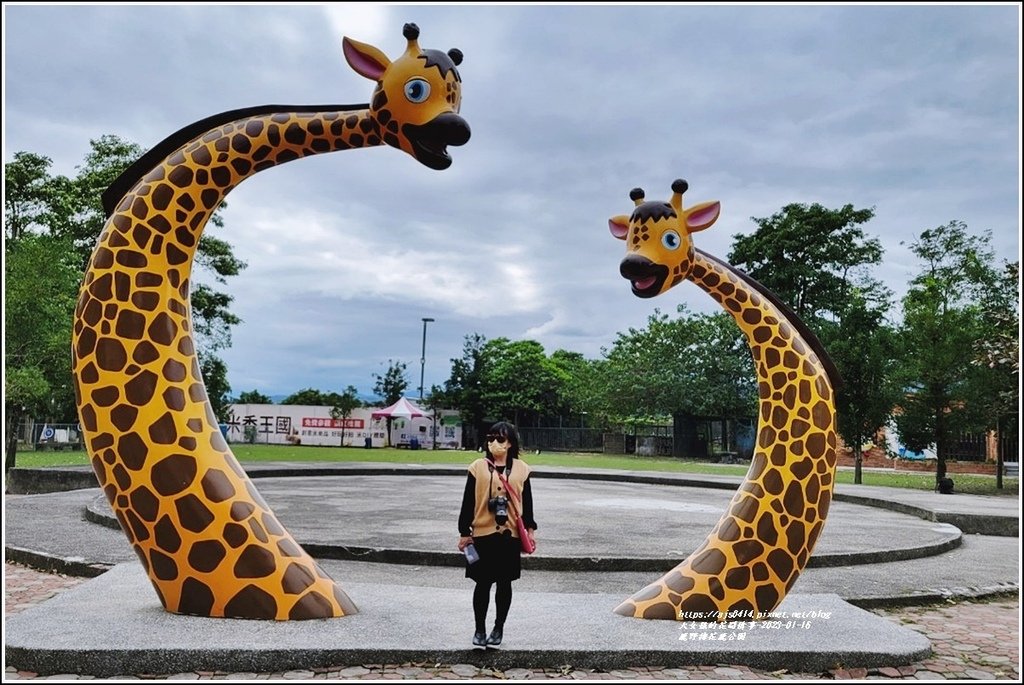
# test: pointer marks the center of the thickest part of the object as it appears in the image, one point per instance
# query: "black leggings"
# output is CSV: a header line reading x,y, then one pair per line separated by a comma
x,y
502,601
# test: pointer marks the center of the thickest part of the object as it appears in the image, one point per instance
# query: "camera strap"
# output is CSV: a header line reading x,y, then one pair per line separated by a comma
x,y
513,497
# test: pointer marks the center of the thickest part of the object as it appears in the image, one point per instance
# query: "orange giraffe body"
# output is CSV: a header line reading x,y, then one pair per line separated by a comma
x,y
207,539
757,550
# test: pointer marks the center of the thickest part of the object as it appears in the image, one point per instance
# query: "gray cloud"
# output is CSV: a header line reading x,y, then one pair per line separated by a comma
x,y
913,110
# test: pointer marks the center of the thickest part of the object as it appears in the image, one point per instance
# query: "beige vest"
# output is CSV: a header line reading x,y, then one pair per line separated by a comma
x,y
489,485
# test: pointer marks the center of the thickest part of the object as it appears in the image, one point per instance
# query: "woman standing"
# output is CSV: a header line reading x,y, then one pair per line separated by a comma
x,y
488,522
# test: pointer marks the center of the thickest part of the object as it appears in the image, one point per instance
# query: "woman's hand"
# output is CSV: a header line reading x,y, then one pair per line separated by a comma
x,y
533,535
463,541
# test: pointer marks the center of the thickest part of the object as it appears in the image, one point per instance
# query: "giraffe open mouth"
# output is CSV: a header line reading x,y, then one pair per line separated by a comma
x,y
430,141
645,277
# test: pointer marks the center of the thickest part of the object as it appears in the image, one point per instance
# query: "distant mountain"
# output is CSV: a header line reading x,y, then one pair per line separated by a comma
x,y
368,400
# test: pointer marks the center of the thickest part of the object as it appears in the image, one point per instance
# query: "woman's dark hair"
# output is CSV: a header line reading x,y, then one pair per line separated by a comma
x,y
509,431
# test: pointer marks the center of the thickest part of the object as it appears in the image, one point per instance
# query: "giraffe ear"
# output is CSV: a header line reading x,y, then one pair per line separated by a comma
x,y
702,216
367,60
619,226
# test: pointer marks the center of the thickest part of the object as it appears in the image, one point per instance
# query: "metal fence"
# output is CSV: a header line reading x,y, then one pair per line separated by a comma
x,y
50,436
648,440
980,447
562,439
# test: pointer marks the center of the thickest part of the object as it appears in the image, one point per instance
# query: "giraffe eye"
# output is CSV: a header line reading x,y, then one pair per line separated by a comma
x,y
417,90
670,239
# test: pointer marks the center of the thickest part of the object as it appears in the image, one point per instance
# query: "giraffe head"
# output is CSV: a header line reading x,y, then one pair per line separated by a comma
x,y
657,234
416,103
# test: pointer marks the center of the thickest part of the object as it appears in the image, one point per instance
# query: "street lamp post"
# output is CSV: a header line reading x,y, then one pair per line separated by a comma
x,y
423,354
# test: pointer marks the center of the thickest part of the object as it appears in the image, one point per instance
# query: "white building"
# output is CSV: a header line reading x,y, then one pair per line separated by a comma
x,y
284,424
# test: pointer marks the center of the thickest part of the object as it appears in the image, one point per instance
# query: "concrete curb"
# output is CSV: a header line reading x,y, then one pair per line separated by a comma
x,y
41,561
986,524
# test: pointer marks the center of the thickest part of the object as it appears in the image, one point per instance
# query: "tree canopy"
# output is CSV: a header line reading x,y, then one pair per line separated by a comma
x,y
391,385
253,397
697,364
808,255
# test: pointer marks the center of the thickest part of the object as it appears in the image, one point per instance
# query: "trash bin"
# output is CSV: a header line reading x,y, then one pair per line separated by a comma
x,y
368,443
414,443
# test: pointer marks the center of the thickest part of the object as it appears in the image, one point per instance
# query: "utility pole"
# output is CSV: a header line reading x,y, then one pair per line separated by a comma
x,y
423,354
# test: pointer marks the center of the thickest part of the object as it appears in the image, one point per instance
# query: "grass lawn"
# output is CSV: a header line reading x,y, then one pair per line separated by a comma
x,y
966,483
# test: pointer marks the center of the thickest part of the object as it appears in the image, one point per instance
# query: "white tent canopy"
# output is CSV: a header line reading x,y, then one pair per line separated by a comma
x,y
402,409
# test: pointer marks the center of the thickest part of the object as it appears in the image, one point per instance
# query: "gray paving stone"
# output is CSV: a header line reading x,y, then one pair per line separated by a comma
x,y
587,597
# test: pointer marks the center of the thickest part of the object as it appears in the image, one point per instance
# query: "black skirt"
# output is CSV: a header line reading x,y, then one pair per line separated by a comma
x,y
499,558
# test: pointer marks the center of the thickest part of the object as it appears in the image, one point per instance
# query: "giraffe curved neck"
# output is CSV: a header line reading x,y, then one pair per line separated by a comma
x,y
214,160
796,427
781,310
123,183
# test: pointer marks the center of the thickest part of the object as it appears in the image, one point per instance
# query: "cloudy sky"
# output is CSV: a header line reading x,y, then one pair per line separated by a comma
x,y
912,110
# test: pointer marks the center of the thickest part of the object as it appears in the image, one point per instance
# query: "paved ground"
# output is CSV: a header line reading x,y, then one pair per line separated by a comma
x,y
970,640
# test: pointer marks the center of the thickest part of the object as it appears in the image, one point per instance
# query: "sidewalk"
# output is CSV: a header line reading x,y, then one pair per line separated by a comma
x,y
898,551
970,641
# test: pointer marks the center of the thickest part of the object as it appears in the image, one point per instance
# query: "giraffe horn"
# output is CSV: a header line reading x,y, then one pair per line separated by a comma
x,y
411,32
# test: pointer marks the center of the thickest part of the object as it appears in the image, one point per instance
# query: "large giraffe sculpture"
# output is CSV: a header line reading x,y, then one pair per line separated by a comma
x,y
755,553
209,542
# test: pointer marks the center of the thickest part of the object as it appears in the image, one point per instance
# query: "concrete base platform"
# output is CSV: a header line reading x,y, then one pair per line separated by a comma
x,y
114,624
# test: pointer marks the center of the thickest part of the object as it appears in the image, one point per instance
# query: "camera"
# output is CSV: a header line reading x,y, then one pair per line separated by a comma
x,y
499,505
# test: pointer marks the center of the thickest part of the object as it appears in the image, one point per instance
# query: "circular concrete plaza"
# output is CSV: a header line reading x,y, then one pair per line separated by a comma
x,y
583,524
576,518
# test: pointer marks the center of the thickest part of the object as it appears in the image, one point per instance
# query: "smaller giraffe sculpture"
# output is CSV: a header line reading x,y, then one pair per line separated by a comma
x,y
209,542
757,550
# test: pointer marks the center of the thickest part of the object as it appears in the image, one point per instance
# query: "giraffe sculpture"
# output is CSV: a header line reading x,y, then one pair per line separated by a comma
x,y
207,539
758,548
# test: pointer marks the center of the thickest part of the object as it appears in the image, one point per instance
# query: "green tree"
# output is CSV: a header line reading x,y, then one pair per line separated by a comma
x,y
390,387
577,383
342,406
24,387
41,284
253,397
308,397
76,206
864,346
942,326
215,378
28,194
518,380
807,255
464,389
436,400
392,384
997,356
697,364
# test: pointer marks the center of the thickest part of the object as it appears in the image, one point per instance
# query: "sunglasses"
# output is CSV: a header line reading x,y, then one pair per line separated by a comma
x,y
500,439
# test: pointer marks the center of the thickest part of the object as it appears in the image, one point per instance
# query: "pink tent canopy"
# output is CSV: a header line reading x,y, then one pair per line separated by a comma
x,y
402,409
